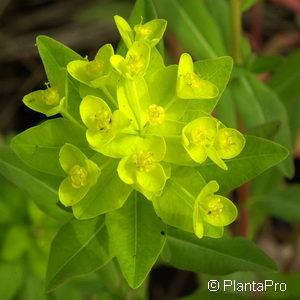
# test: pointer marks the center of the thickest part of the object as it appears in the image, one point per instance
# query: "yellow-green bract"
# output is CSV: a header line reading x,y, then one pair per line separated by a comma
x,y
82,174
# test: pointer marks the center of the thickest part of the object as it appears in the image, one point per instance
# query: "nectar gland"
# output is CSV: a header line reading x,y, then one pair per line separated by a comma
x,y
94,67
135,64
201,136
227,141
214,207
156,114
78,176
142,30
50,96
103,120
193,80
143,161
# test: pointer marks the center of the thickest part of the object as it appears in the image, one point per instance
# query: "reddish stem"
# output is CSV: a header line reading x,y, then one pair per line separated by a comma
x,y
243,221
256,37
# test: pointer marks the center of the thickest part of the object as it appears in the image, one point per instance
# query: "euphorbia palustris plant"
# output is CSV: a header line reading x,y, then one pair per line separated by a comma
x,y
137,143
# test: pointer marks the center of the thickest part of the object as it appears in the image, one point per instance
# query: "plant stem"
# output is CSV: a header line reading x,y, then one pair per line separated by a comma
x,y
109,95
236,30
243,196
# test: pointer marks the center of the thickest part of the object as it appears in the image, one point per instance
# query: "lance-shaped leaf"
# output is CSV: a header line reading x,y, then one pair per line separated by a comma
x,y
257,156
286,78
79,247
254,98
186,18
55,57
221,256
39,146
137,237
42,188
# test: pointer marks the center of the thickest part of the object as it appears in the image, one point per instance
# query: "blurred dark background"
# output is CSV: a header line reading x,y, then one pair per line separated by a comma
x,y
82,25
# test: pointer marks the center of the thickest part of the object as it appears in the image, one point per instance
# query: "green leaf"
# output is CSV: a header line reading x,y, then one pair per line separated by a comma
x,y
39,146
225,110
257,156
266,130
254,98
186,19
283,204
11,276
108,194
175,205
79,247
41,187
217,71
55,57
214,256
137,237
285,81
219,11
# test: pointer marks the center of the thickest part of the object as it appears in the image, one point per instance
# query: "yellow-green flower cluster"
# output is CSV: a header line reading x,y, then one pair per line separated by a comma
x,y
208,137
132,110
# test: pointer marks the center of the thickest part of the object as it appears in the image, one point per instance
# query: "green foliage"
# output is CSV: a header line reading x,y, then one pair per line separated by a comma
x,y
137,237
257,156
186,19
78,248
39,146
221,256
252,97
42,188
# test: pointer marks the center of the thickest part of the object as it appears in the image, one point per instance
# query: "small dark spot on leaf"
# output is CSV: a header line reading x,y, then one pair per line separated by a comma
x,y
162,233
